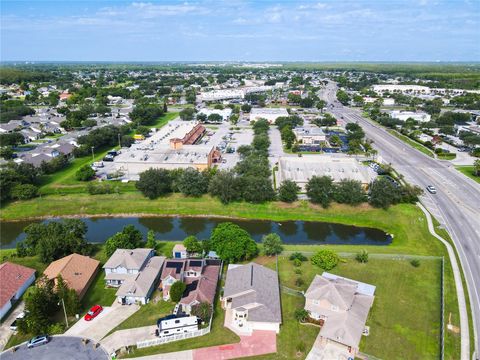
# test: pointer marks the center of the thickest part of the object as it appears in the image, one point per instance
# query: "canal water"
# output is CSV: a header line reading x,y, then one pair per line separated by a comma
x,y
178,228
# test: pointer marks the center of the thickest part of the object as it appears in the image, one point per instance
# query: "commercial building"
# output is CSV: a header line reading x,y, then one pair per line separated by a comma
x,y
302,169
224,113
76,270
14,280
309,135
170,148
251,299
342,306
270,114
404,115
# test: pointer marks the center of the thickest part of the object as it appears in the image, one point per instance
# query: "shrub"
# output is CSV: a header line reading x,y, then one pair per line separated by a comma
x,y
85,173
97,188
362,256
298,271
299,256
300,314
177,290
24,191
325,259
297,262
299,281
415,262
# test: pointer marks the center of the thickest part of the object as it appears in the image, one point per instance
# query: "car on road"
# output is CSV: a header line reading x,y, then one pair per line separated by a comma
x,y
431,189
38,340
14,324
93,312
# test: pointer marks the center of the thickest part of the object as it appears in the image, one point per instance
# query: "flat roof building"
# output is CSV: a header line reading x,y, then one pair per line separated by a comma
x,y
270,114
405,115
309,135
302,169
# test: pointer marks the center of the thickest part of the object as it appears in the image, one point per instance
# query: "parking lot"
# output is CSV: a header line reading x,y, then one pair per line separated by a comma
x,y
59,347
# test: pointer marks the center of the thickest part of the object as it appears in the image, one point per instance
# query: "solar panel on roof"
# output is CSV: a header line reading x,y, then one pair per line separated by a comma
x,y
195,263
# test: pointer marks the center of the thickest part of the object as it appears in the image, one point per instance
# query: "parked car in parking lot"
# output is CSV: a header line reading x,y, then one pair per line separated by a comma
x,y
93,312
431,189
38,340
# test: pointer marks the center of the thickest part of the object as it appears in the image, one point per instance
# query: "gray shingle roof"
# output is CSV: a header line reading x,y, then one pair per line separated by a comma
x,y
128,258
254,287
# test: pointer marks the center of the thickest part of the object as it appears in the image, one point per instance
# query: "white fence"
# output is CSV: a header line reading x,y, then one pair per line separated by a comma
x,y
164,340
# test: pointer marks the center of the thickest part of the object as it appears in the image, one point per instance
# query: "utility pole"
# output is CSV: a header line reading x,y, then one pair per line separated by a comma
x,y
93,156
119,143
64,311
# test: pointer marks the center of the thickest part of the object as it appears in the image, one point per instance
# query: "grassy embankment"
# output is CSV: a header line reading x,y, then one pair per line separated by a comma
x,y
412,143
468,171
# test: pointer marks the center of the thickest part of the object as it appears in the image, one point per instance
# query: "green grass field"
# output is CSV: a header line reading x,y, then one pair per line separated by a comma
x,y
404,320
468,171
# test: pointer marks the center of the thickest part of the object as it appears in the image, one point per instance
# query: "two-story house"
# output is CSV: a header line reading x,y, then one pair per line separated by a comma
x,y
125,263
343,306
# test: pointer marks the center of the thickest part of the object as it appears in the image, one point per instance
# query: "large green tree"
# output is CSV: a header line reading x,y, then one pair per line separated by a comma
x,y
350,192
232,243
384,193
320,190
193,182
176,291
128,238
287,192
154,183
272,244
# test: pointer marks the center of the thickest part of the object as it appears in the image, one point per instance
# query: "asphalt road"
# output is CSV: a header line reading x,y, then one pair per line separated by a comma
x,y
456,204
60,347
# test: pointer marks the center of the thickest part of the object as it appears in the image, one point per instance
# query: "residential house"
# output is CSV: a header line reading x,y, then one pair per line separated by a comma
x,y
173,270
251,298
179,252
124,263
342,305
76,270
201,278
14,280
139,287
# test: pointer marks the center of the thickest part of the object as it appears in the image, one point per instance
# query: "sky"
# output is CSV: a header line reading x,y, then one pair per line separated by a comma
x,y
236,30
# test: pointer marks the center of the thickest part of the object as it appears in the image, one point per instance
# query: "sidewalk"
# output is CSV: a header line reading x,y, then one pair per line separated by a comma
x,y
462,307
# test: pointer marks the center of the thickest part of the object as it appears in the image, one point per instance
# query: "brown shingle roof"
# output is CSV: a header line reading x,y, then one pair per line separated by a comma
x,y
12,277
202,289
77,271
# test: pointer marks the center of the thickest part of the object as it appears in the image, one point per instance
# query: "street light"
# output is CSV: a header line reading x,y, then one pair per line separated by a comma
x,y
64,311
93,157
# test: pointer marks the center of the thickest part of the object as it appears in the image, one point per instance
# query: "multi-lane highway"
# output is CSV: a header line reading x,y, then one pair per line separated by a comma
x,y
456,204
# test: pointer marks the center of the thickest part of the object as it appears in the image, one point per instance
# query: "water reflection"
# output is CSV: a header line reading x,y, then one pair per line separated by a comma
x,y
176,229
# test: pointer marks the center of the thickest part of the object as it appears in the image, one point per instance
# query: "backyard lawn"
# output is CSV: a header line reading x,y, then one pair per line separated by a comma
x,y
405,318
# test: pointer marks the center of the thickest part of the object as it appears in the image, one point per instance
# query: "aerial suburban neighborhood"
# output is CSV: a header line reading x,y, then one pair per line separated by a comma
x,y
225,180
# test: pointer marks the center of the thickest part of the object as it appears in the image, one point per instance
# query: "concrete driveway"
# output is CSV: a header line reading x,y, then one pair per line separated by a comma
x,y
5,331
60,347
109,318
128,337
